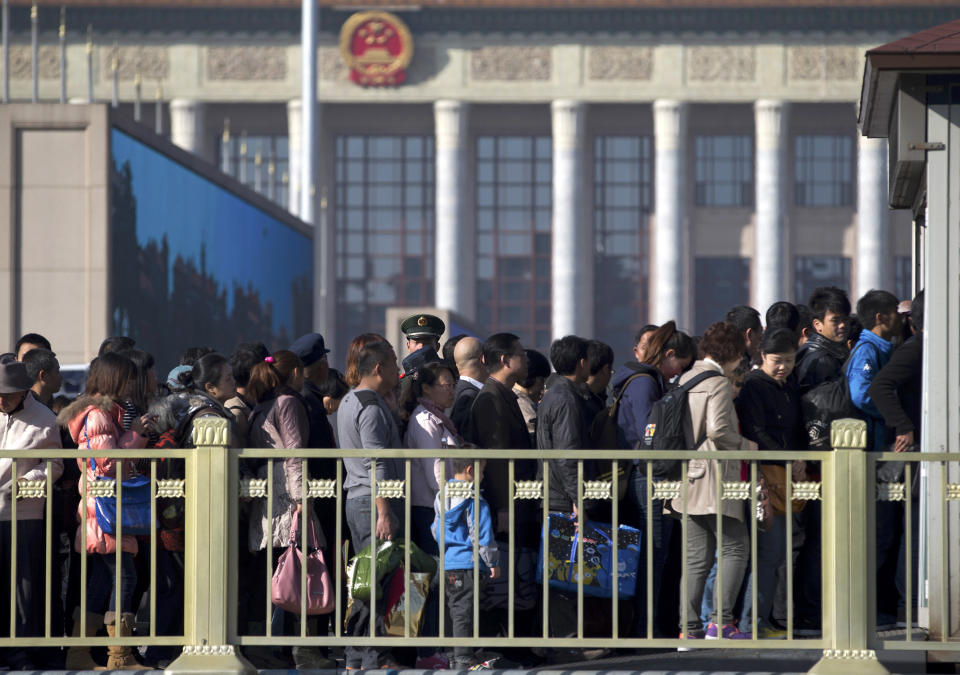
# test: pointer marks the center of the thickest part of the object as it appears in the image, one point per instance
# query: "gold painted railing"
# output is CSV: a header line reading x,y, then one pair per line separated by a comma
x,y
212,490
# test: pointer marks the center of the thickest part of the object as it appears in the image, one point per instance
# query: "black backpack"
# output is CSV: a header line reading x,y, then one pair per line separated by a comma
x,y
604,429
670,426
829,401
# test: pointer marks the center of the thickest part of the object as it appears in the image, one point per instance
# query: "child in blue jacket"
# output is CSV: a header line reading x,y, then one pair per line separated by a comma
x,y
460,529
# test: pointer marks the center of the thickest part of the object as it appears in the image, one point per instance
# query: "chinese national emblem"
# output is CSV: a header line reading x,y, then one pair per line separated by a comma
x,y
377,47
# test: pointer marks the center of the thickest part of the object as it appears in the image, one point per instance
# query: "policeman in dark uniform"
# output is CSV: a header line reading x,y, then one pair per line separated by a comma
x,y
423,330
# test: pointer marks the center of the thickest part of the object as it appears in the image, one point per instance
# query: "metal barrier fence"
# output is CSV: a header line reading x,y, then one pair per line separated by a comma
x,y
899,482
148,462
212,489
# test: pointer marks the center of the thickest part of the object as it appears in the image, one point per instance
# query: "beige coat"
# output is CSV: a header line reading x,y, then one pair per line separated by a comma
x,y
32,427
714,417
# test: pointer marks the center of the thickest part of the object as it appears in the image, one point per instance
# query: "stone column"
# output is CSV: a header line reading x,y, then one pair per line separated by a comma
x,y
770,271
873,262
669,294
187,124
456,275
572,268
294,117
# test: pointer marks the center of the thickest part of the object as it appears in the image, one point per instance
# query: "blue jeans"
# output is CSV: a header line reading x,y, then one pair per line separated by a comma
x,y
101,591
358,623
659,537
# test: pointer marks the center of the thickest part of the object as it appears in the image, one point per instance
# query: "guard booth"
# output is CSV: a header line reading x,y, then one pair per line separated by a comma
x,y
911,96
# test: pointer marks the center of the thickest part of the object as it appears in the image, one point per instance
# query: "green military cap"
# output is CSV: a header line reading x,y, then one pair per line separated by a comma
x,y
422,326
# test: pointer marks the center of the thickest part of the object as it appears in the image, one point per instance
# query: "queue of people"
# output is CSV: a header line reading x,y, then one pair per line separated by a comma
x,y
747,387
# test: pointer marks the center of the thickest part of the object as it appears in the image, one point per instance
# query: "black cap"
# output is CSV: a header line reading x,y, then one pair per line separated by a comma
x,y
418,358
310,348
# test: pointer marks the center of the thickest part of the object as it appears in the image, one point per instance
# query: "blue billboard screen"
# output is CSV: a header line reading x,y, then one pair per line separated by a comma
x,y
193,264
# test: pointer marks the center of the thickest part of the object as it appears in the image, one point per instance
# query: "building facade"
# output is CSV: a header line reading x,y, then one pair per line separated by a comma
x,y
571,168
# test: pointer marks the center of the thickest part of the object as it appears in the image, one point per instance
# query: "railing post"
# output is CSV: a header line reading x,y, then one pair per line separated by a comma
x,y
206,601
846,535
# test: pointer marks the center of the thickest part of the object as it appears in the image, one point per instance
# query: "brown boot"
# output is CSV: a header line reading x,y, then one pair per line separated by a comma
x,y
78,658
121,657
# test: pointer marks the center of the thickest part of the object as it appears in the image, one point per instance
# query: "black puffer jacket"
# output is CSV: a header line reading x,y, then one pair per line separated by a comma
x,y
819,360
769,413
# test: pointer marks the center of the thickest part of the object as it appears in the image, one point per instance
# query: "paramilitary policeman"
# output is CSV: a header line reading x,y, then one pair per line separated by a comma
x,y
423,330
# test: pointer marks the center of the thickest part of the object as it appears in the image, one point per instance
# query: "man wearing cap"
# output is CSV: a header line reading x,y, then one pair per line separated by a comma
x,y
25,424
313,352
423,330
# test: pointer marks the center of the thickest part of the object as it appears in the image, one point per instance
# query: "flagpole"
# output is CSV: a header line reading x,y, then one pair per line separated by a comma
x,y
35,52
308,55
63,54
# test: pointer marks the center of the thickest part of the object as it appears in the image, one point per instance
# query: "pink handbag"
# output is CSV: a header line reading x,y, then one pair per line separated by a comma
x,y
285,591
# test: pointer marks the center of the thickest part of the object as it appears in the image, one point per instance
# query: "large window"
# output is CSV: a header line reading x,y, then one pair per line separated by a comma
x,y
824,170
385,228
622,203
721,283
514,201
814,271
260,162
724,170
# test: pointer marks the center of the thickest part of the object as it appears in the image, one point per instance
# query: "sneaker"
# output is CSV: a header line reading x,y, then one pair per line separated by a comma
x,y
690,635
436,661
311,658
728,632
771,633
483,665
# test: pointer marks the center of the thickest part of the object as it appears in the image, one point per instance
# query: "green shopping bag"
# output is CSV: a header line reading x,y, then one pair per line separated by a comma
x,y
389,557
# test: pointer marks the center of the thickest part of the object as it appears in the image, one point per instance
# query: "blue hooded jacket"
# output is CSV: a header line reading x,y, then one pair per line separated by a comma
x,y
636,402
869,355
459,533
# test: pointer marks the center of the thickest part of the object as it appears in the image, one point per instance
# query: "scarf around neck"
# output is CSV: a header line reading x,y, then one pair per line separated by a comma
x,y
432,408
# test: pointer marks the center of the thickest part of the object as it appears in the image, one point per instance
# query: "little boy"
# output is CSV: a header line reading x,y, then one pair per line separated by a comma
x,y
458,528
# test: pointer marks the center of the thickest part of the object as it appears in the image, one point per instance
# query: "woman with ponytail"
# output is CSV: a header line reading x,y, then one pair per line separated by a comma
x,y
668,353
279,420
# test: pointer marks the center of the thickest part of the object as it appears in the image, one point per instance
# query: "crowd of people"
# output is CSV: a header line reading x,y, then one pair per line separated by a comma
x,y
748,386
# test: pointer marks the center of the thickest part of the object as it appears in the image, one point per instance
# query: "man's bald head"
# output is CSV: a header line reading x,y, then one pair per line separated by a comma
x,y
467,357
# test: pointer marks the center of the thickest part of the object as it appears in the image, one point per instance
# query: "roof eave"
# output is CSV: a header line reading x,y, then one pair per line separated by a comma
x,y
880,77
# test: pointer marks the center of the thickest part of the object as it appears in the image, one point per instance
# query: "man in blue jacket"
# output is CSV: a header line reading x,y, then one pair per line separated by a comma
x,y
877,311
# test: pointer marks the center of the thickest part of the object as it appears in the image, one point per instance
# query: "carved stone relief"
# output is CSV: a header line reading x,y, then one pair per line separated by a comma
x,y
246,63
820,62
21,66
721,64
843,63
510,64
620,63
331,66
153,62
